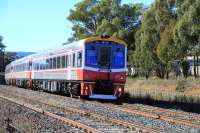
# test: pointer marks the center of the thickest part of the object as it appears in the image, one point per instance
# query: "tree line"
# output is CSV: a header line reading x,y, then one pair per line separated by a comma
x,y
166,31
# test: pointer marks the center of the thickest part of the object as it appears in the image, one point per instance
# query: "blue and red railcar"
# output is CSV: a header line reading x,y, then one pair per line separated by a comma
x,y
94,67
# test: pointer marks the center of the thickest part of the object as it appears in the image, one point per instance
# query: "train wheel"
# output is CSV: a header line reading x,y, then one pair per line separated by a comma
x,y
74,90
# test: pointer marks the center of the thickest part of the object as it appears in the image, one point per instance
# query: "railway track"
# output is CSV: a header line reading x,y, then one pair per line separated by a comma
x,y
157,113
124,114
88,122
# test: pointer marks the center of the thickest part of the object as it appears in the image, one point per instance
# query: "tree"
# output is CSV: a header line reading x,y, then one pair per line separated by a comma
x,y
187,32
147,38
185,67
9,57
166,49
110,17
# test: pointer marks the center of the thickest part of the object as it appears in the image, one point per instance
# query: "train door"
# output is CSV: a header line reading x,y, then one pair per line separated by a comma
x,y
105,62
105,53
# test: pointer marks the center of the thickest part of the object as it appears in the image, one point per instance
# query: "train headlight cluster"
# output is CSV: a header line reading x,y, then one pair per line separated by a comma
x,y
86,87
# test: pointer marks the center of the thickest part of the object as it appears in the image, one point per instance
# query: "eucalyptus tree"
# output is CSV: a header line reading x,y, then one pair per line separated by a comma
x,y
148,37
187,31
105,17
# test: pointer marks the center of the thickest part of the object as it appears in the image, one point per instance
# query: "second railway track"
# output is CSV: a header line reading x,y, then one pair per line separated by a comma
x,y
158,113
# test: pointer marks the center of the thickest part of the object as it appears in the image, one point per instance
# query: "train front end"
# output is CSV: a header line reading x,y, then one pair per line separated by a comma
x,y
104,72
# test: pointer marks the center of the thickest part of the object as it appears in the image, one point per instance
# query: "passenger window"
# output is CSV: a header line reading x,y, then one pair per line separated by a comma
x,y
73,60
37,66
69,60
51,63
66,61
54,63
63,62
47,64
79,59
58,62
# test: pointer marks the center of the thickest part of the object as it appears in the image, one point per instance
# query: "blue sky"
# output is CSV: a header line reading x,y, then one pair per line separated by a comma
x,y
36,25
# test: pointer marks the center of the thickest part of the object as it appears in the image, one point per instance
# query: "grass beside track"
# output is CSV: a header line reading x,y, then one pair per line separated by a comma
x,y
173,90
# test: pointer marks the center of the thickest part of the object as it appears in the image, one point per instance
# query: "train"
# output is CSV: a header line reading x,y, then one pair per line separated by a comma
x,y
94,67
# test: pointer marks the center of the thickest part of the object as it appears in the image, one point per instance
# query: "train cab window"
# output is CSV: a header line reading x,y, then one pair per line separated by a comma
x,y
91,57
118,58
54,63
79,59
58,62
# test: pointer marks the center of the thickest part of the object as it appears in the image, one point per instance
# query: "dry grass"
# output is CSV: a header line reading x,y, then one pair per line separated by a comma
x,y
174,90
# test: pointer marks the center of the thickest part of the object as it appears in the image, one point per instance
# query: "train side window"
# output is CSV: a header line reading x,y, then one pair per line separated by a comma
x,y
63,62
42,64
37,66
47,64
54,63
69,60
73,60
51,63
58,62
66,61
34,65
79,59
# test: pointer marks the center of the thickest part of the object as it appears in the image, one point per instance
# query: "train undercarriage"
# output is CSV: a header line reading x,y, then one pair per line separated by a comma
x,y
84,89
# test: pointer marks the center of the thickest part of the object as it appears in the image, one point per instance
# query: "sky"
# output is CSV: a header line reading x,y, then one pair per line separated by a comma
x,y
36,25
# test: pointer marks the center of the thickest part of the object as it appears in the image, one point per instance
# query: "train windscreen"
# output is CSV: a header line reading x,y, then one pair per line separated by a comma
x,y
105,55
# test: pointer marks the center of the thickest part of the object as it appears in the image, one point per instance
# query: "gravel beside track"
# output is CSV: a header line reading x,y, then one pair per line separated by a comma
x,y
25,120
104,111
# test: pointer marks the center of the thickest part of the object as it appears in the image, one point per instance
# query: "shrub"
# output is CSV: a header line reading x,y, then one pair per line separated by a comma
x,y
181,86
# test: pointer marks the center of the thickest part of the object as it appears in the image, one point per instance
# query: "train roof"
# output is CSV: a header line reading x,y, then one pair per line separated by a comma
x,y
102,38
